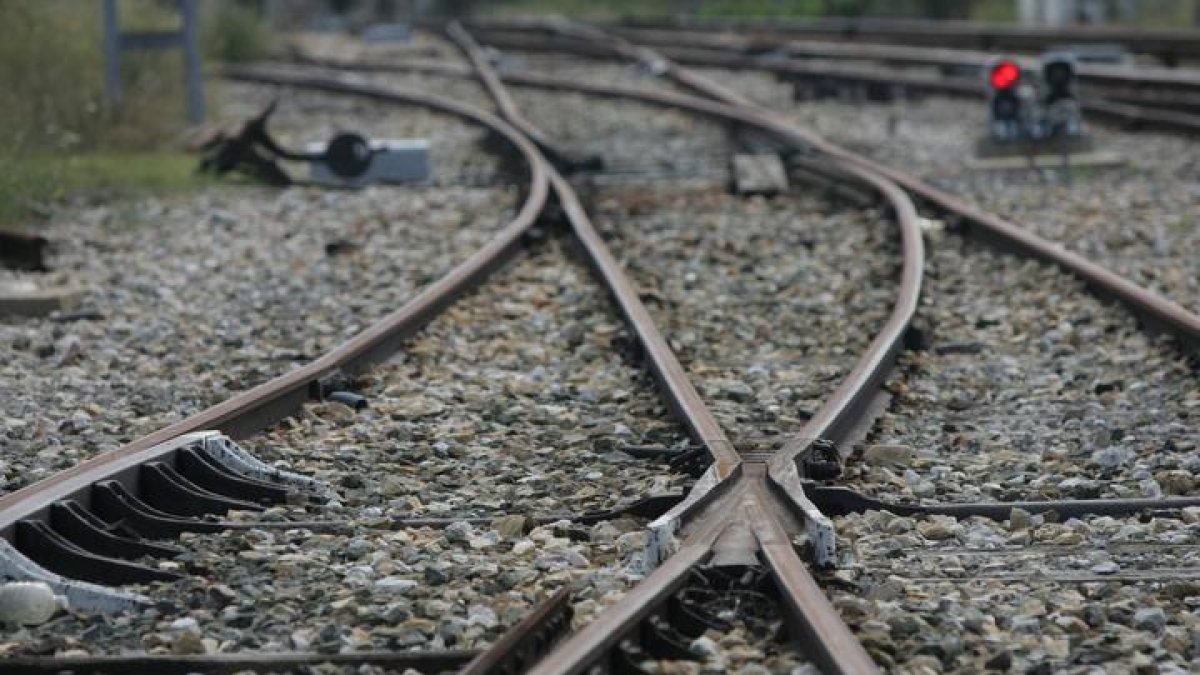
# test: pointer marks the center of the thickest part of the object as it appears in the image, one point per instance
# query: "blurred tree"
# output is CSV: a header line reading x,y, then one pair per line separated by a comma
x,y
946,9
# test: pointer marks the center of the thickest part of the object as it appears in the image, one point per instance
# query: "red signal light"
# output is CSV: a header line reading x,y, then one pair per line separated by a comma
x,y
1004,75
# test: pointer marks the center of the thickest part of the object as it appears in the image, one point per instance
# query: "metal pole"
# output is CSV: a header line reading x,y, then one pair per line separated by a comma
x,y
191,61
112,53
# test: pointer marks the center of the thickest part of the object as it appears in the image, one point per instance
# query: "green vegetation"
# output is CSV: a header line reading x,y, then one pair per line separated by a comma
x,y
233,33
60,137
48,177
721,8
1171,13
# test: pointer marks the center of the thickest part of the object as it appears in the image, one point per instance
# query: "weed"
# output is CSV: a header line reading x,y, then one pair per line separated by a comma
x,y
46,178
60,137
233,33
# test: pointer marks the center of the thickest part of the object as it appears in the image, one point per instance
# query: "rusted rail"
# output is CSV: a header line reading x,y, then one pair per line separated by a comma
x,y
1153,309
1167,107
841,412
681,393
739,513
1169,45
1135,76
79,529
267,403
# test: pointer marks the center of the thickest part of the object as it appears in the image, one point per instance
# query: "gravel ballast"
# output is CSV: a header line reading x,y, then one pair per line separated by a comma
x,y
1029,388
199,297
518,401
512,405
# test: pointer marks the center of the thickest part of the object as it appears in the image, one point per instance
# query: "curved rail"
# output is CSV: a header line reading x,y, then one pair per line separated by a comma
x,y
279,397
1135,107
1136,76
679,390
748,516
1155,310
840,411
1166,43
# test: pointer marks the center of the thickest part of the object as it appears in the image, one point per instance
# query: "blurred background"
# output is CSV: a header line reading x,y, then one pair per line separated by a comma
x,y
68,137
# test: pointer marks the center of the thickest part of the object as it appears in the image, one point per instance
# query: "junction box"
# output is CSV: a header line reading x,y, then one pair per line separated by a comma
x,y
390,161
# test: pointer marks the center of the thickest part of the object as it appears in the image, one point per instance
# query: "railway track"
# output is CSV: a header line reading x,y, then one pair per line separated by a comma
x,y
1133,97
747,509
1169,45
698,83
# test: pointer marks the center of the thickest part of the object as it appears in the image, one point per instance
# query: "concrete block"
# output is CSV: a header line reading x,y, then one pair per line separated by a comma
x,y
26,298
761,174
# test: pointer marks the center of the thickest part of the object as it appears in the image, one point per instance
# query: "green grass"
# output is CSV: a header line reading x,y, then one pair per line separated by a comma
x,y
233,34
59,136
36,180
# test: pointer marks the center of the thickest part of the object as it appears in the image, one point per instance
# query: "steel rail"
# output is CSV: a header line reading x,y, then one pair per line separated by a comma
x,y
1135,76
1168,44
1152,308
267,403
1130,108
527,640
680,392
840,500
823,633
1155,310
508,108
232,664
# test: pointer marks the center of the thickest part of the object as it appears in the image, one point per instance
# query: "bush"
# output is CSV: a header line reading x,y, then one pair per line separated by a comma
x,y
59,136
52,69
234,33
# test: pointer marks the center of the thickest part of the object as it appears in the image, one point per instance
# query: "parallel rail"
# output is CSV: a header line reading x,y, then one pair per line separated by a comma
x,y
748,503
1169,45
1126,97
823,636
143,491
1133,76
744,512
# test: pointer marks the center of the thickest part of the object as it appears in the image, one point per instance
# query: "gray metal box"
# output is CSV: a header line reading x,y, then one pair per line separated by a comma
x,y
392,161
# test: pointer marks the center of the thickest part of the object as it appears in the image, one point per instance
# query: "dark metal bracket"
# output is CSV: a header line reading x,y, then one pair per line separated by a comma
x,y
839,501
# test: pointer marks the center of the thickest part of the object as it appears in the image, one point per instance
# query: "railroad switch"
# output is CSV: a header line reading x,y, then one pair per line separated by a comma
x,y
346,160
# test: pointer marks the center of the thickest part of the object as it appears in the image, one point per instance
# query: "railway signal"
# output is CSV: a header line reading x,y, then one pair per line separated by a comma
x,y
1032,109
1006,108
1060,105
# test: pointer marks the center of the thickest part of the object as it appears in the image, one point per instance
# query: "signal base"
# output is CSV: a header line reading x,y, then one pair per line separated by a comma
x,y
988,147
